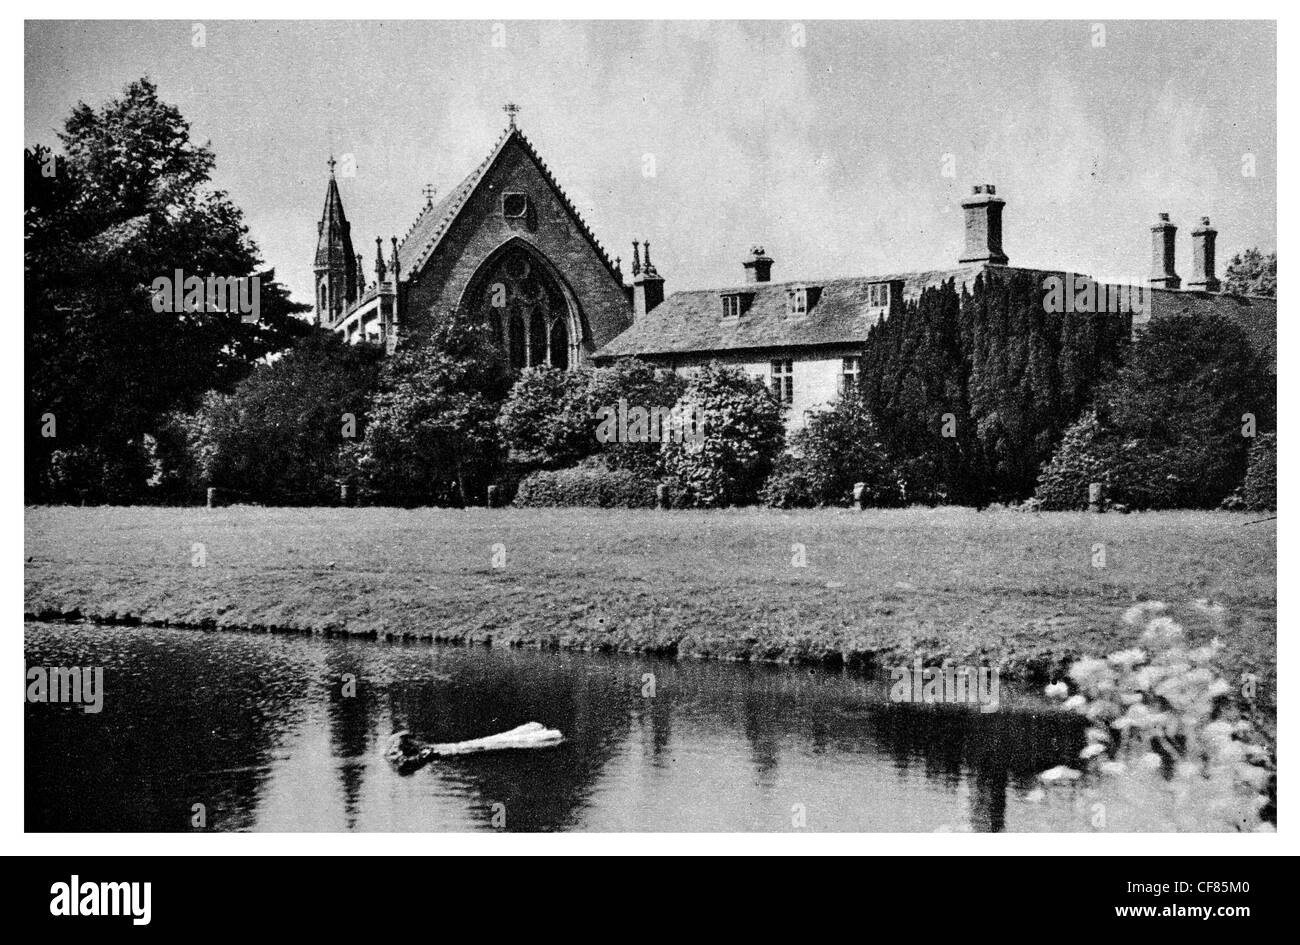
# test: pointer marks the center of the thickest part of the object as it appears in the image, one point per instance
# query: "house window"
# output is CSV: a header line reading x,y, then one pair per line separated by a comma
x,y
878,295
849,375
783,380
733,306
515,206
798,301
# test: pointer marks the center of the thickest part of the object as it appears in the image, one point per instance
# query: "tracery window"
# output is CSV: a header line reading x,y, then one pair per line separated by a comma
x,y
527,310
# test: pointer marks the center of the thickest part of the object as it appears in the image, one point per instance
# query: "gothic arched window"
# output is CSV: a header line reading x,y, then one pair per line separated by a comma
x,y
537,338
528,309
559,344
516,342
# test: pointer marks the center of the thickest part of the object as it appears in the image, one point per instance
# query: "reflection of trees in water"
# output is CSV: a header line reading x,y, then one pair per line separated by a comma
x,y
188,718
201,716
837,712
351,720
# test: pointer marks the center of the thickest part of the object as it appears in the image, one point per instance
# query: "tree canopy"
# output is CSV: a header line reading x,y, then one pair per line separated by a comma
x,y
128,201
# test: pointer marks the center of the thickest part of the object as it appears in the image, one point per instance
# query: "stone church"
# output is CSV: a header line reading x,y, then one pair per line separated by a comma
x,y
507,246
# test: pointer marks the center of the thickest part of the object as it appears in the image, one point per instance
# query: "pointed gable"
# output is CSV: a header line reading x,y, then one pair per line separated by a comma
x,y
510,195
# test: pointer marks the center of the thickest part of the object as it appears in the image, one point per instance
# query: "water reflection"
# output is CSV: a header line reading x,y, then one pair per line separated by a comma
x,y
286,733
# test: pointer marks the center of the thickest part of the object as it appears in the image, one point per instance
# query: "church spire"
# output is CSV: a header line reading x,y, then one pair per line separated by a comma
x,y
336,260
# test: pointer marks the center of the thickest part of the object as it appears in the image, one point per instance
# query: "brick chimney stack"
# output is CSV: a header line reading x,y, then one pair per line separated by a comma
x,y
984,227
1163,274
647,284
758,268
1203,258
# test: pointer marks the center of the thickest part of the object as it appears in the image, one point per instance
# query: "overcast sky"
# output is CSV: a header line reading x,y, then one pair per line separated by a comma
x,y
831,153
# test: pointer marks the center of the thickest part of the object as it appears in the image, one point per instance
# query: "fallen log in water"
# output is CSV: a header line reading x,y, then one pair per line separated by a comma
x,y
408,753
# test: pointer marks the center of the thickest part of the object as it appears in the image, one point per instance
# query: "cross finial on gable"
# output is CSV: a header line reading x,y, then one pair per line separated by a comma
x,y
428,191
331,162
511,109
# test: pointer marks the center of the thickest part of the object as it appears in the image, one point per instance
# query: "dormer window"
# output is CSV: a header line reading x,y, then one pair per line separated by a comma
x,y
802,298
799,300
878,295
735,304
515,206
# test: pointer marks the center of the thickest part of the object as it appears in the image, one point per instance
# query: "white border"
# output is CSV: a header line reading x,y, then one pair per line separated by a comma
x,y
11,790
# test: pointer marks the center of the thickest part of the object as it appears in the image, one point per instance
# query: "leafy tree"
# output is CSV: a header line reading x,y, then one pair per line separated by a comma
x,y
550,417
1252,273
545,420
277,437
126,202
742,433
1168,428
636,384
433,420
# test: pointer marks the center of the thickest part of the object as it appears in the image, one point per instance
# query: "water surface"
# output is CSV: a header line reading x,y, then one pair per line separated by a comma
x,y
257,729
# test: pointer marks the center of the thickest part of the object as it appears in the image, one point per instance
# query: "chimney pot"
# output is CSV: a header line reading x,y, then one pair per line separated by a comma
x,y
758,268
1163,274
983,227
647,284
1203,238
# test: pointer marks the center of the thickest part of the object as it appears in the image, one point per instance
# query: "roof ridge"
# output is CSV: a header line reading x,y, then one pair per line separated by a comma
x,y
451,206
568,204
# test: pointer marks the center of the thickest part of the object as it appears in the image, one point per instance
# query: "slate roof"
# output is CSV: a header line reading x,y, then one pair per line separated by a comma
x,y
434,222
693,321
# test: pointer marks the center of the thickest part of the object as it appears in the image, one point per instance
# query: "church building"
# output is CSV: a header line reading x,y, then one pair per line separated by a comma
x,y
506,245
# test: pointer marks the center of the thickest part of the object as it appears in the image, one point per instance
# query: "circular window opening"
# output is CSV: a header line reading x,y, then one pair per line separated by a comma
x,y
516,206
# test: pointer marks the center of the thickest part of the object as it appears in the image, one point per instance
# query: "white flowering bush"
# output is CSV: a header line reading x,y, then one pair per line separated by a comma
x,y
1167,728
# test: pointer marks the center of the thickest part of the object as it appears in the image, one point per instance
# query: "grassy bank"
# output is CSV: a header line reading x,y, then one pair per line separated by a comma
x,y
1014,589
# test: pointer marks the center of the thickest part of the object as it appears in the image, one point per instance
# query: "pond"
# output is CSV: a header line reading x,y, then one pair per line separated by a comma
x,y
284,733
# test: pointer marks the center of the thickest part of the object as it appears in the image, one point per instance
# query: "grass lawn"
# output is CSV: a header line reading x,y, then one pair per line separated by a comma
x,y
1012,589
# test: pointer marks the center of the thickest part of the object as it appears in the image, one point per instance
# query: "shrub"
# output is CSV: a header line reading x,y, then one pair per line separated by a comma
x,y
789,486
1259,490
1079,460
742,435
589,486
1164,721
839,448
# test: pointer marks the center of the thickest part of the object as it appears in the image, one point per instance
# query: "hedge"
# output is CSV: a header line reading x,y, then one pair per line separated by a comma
x,y
586,486
1260,487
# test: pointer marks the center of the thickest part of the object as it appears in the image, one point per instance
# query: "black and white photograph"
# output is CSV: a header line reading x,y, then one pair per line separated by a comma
x,y
576,427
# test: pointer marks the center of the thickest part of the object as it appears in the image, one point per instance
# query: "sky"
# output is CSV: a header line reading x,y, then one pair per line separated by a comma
x,y
844,148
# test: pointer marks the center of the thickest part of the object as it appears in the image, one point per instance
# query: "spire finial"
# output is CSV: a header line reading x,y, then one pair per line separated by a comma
x,y
331,162
636,257
428,191
511,110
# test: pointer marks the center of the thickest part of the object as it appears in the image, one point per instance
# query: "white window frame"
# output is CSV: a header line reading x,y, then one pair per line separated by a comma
x,y
782,369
